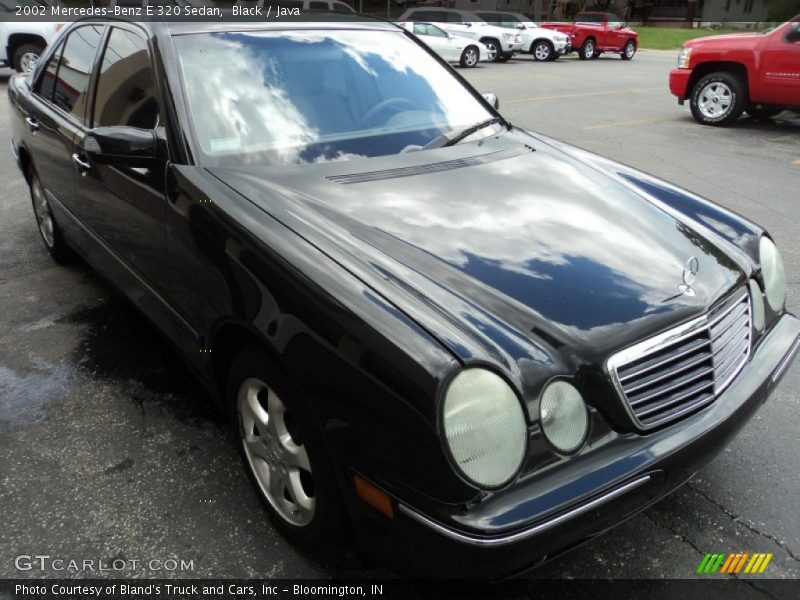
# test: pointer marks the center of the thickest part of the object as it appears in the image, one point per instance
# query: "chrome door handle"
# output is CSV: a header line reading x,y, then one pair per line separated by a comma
x,y
83,165
33,124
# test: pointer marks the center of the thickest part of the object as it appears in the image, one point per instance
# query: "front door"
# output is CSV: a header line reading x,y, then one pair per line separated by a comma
x,y
781,67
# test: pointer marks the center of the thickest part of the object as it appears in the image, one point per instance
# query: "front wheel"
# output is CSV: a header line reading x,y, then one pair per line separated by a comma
x,y
470,57
542,51
283,452
492,49
587,50
718,98
26,56
629,50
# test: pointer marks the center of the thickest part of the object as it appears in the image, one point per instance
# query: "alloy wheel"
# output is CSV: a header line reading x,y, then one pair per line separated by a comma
x,y
715,100
541,52
471,57
44,218
279,463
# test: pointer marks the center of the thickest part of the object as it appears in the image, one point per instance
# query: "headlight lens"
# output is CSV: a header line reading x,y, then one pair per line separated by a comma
x,y
563,416
683,58
757,300
773,272
484,427
508,36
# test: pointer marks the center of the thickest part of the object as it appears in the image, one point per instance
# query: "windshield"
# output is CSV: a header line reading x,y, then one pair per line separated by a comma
x,y
315,96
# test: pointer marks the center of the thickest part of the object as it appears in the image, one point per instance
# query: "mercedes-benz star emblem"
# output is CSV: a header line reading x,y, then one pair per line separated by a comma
x,y
690,269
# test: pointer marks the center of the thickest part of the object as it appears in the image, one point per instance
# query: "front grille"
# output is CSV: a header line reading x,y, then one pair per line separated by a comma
x,y
684,369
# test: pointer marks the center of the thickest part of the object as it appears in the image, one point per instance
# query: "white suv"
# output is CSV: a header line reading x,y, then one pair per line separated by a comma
x,y
22,42
501,43
543,44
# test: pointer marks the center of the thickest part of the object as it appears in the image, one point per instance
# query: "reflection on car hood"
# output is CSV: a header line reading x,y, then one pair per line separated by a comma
x,y
507,247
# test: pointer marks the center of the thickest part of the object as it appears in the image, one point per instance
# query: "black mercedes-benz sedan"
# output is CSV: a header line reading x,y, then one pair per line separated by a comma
x,y
474,345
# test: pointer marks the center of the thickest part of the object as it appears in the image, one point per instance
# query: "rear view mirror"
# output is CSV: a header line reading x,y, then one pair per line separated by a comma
x,y
121,146
491,98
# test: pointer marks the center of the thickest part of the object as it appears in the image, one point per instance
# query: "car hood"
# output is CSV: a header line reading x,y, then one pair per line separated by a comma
x,y
508,249
728,40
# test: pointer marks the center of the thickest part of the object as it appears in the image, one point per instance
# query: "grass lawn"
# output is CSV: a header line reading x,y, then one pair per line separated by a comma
x,y
666,38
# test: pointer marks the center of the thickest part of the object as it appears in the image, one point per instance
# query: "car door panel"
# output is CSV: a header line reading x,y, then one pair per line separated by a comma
x,y
781,71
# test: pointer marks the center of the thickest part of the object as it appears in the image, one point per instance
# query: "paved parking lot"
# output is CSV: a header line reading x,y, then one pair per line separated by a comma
x,y
109,450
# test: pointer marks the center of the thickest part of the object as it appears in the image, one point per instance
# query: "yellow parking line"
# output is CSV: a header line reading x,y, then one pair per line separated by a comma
x,y
631,122
796,162
579,95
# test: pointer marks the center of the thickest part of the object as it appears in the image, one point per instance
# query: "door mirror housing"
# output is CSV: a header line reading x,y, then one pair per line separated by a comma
x,y
793,35
491,98
121,146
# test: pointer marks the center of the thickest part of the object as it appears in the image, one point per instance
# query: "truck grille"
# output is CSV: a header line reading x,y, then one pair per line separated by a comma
x,y
684,369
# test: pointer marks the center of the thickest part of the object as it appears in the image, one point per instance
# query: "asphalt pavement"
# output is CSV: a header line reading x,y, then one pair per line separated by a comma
x,y
109,449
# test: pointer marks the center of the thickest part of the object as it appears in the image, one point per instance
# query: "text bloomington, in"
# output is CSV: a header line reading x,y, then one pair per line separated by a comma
x,y
75,12
231,589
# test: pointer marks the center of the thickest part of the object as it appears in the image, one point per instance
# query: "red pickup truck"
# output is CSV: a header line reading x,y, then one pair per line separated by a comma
x,y
593,33
725,75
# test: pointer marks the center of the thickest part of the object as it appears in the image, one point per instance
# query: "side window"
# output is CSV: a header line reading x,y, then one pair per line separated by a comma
x,y
341,7
434,31
126,92
47,81
75,69
318,6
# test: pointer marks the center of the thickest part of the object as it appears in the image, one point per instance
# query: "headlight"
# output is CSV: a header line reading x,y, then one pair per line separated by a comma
x,y
683,58
484,427
757,300
562,414
508,36
774,275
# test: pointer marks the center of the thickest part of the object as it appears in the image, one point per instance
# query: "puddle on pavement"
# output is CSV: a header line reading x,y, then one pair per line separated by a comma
x,y
117,345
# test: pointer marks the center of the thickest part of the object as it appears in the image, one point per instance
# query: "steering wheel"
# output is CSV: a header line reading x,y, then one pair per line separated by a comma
x,y
380,106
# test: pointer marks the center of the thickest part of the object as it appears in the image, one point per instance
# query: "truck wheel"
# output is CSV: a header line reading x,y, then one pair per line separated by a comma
x,y
48,228
718,98
629,50
283,451
542,51
470,57
763,112
587,50
493,48
26,56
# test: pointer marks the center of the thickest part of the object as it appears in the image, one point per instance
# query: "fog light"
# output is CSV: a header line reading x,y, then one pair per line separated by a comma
x,y
563,416
757,300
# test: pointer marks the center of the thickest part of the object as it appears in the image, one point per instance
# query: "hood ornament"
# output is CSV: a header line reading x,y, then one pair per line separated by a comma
x,y
690,269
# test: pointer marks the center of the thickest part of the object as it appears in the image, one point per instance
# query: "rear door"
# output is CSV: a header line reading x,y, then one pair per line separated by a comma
x,y
780,69
58,112
125,206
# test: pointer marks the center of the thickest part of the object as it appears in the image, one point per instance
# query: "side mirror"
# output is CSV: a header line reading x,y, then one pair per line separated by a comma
x,y
793,35
121,146
491,98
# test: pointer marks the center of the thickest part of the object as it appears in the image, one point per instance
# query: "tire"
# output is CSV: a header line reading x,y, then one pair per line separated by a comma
x,y
494,48
470,57
542,51
587,51
25,57
305,505
628,50
51,233
763,112
718,98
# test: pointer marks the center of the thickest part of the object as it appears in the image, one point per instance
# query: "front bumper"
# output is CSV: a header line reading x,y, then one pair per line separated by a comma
x,y
511,47
679,83
585,503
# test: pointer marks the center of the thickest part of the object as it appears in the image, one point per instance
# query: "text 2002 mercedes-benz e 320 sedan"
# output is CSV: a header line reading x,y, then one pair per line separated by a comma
x,y
463,338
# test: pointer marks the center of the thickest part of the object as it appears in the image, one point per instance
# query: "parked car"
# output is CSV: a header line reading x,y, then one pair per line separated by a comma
x,y
593,33
543,44
502,43
725,75
422,320
452,48
22,42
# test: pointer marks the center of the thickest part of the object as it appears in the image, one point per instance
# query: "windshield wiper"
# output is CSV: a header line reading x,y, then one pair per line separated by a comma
x,y
444,140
